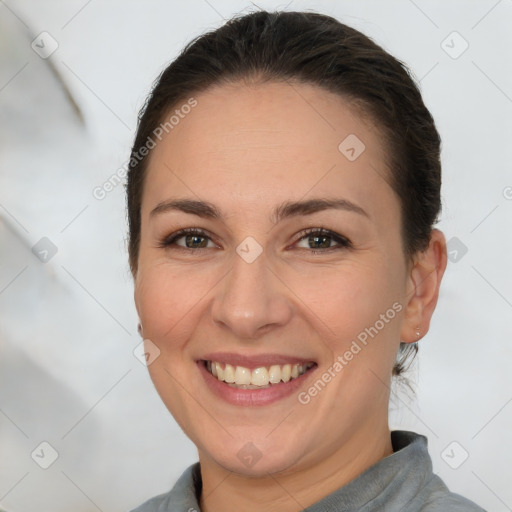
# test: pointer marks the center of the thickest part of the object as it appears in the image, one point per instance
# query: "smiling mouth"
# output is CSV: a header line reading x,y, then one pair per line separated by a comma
x,y
263,377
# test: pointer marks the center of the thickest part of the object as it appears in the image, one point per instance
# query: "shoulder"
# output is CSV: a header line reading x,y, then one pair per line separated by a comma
x,y
155,504
451,503
422,490
182,497
167,502
440,499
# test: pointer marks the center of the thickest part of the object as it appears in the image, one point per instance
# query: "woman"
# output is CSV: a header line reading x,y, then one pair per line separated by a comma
x,y
282,192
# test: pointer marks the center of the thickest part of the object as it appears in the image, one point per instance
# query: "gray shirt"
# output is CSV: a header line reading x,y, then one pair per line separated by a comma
x,y
403,481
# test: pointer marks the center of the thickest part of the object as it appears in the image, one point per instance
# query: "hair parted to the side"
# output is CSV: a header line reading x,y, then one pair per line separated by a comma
x,y
319,50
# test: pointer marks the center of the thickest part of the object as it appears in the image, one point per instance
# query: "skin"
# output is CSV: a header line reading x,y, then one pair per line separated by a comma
x,y
247,148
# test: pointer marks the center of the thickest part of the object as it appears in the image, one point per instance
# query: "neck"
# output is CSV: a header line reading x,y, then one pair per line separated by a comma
x,y
291,490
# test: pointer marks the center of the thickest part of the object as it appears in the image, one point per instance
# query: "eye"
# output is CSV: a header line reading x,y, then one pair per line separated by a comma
x,y
316,240
189,238
320,240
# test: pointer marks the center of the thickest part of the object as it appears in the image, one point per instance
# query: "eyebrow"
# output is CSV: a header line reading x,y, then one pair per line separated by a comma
x,y
285,210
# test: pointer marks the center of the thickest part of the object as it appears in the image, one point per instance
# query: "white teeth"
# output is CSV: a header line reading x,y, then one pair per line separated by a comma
x,y
240,376
259,377
229,373
218,370
274,374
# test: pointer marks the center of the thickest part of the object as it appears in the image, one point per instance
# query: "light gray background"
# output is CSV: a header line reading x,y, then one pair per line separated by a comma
x,y
68,375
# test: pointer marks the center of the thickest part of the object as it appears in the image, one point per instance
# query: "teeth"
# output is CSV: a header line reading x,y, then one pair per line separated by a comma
x,y
274,374
242,375
259,377
219,371
229,373
239,376
286,372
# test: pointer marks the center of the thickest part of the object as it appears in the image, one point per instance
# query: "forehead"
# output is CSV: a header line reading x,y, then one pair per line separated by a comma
x,y
281,140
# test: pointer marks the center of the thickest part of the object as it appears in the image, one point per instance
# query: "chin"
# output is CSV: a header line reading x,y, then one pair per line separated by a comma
x,y
258,468
256,459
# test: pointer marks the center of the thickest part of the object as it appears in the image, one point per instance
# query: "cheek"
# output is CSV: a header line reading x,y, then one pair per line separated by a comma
x,y
348,302
163,298
169,300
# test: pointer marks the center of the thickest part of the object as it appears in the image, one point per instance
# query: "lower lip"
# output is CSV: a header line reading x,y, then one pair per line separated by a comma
x,y
250,397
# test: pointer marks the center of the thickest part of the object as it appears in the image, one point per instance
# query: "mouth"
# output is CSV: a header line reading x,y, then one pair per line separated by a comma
x,y
254,381
241,377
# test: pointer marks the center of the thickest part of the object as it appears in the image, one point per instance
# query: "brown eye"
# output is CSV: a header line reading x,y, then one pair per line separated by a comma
x,y
192,239
322,240
319,242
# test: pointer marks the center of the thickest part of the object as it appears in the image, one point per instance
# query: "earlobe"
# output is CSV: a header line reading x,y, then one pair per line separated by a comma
x,y
423,288
135,300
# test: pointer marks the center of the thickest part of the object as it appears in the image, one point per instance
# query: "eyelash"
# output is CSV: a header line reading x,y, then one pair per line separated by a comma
x,y
343,242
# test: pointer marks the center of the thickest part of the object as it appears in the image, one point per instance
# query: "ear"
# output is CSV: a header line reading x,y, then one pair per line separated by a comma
x,y
136,302
423,285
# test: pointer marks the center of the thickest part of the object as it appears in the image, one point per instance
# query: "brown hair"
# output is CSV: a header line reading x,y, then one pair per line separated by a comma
x,y
318,50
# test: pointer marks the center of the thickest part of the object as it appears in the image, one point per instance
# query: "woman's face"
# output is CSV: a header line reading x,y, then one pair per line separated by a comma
x,y
259,287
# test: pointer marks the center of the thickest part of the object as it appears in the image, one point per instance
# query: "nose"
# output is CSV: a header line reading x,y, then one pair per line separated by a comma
x,y
251,299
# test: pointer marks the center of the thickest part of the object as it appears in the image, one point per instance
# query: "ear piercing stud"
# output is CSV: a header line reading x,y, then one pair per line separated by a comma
x,y
418,331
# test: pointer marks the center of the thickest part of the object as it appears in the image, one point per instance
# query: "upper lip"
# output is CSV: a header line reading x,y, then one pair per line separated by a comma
x,y
255,361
